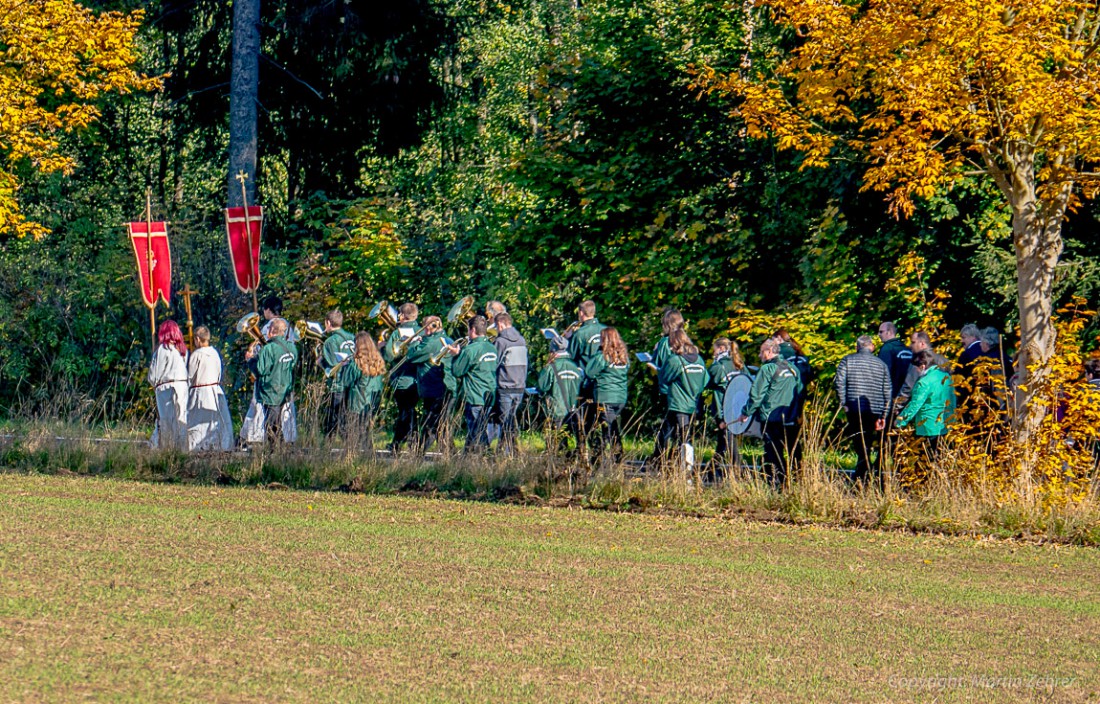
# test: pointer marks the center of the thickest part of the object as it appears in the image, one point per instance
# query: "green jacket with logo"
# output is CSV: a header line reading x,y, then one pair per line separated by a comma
x,y
661,353
476,367
339,341
364,392
274,370
610,379
775,392
559,383
432,381
585,342
931,408
721,371
404,376
685,377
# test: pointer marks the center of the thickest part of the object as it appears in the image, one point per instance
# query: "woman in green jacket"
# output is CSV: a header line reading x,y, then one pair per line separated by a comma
x,y
608,369
685,376
931,408
362,378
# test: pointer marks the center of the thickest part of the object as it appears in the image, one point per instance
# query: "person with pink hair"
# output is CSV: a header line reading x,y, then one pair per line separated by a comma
x,y
168,377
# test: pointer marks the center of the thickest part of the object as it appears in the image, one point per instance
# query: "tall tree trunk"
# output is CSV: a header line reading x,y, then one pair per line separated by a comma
x,y
243,91
1037,233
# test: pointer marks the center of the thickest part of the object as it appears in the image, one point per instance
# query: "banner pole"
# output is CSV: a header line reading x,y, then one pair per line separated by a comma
x,y
149,264
252,273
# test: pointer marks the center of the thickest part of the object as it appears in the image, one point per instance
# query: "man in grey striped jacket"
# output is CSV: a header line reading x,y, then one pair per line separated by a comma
x,y
863,385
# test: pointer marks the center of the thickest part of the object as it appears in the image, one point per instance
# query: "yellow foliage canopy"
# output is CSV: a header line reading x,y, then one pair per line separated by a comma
x,y
56,59
929,89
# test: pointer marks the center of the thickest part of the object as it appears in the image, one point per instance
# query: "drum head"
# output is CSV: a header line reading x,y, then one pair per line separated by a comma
x,y
735,401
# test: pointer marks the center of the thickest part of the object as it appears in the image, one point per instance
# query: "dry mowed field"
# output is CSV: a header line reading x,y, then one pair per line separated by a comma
x,y
122,591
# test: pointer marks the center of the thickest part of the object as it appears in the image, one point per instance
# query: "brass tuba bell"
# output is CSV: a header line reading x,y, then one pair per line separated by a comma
x,y
311,331
462,311
250,324
384,313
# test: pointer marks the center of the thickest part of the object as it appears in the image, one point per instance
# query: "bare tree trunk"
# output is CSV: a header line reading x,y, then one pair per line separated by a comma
x,y
243,91
1037,233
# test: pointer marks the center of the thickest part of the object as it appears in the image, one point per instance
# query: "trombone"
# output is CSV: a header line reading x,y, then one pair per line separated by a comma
x,y
439,356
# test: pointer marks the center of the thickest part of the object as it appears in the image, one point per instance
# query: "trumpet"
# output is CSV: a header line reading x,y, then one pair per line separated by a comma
x,y
439,356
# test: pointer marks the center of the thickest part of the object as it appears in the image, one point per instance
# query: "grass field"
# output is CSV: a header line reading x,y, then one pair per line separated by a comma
x,y
126,591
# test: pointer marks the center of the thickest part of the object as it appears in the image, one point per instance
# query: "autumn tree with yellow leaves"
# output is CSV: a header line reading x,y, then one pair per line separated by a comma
x,y
56,59
929,91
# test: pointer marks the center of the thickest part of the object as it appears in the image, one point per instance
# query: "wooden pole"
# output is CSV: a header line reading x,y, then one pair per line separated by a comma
x,y
187,293
149,264
242,177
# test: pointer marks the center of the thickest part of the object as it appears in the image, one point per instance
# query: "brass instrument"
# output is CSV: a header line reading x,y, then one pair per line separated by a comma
x,y
250,324
571,328
335,368
491,331
403,347
439,356
462,311
384,313
310,331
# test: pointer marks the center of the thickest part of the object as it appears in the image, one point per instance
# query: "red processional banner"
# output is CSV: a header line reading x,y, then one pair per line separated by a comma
x,y
154,261
244,245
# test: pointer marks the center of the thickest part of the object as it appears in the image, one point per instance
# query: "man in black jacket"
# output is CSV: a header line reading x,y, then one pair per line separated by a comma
x,y
863,385
895,355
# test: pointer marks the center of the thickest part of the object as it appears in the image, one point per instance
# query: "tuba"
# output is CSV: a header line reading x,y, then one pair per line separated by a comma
x,y
462,311
250,325
310,331
385,314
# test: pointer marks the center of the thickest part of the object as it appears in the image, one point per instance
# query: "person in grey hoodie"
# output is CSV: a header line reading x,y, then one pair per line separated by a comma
x,y
511,383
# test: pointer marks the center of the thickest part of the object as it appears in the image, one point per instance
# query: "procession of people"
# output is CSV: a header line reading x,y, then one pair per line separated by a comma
x,y
428,378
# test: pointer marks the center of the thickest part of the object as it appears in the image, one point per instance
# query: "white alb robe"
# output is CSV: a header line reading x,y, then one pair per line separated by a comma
x,y
168,376
209,426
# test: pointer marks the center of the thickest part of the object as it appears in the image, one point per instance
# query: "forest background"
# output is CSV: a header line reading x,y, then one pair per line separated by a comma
x,y
541,154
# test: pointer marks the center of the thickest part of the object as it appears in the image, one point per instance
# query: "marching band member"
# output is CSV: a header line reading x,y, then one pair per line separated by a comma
x,y
584,344
168,376
608,371
671,320
434,382
559,383
253,425
273,366
362,379
511,383
403,378
685,377
210,426
475,365
727,363
339,344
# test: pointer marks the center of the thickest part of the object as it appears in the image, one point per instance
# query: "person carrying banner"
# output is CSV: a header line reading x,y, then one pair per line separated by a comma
x,y
168,377
273,366
209,425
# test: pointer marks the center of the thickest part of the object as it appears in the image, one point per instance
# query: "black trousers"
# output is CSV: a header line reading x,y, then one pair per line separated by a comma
x,y
332,412
406,400
675,431
610,437
727,449
865,439
432,424
273,424
556,442
781,450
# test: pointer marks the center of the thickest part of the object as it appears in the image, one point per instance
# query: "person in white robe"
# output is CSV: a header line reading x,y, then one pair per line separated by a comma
x,y
252,427
209,425
168,377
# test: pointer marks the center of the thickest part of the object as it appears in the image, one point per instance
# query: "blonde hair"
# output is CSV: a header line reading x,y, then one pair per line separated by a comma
x,y
367,358
202,336
736,357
